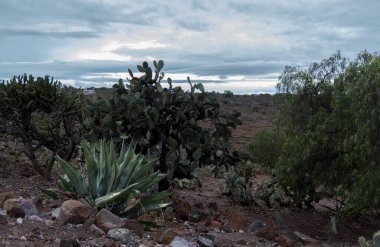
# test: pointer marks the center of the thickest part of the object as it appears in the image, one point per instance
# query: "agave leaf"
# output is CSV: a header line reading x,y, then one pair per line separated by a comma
x,y
114,197
149,203
92,169
76,184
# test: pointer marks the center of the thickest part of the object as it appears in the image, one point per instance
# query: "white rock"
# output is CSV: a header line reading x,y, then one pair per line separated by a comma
x,y
23,238
55,213
19,221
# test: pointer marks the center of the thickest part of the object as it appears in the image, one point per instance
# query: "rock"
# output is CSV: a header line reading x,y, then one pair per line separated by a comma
x,y
10,203
16,212
202,228
69,243
5,196
35,218
268,231
222,240
134,227
284,241
28,207
96,230
257,224
165,236
205,242
236,221
181,242
73,212
19,221
106,220
3,220
123,235
182,213
23,238
3,212
307,239
195,215
55,213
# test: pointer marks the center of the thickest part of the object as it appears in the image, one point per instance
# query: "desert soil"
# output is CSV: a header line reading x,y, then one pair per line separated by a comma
x,y
258,113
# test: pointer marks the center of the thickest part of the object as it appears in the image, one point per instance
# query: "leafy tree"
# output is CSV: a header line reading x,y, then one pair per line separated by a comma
x,y
330,117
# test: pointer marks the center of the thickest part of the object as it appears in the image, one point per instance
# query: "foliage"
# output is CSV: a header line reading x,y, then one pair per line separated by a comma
x,y
331,120
120,182
46,117
266,146
183,129
273,194
237,182
375,242
227,94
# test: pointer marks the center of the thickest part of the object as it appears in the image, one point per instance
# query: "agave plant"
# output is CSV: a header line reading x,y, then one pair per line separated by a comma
x,y
120,182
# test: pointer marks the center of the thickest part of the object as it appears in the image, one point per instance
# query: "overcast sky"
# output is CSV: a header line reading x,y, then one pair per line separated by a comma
x,y
244,42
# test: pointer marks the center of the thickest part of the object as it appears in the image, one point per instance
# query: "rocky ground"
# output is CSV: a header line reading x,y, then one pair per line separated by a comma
x,y
197,217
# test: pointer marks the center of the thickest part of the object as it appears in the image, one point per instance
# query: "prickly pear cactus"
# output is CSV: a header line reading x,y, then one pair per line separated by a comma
x,y
164,121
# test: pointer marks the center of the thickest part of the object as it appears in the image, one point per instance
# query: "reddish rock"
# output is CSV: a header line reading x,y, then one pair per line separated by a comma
x,y
284,241
5,196
236,221
74,212
106,220
268,231
165,236
215,224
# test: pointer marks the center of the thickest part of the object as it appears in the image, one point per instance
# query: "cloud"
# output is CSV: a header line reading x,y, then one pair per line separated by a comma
x,y
81,40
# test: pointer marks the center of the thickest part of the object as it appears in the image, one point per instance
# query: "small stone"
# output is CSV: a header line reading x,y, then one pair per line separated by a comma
x,y
97,231
23,238
35,218
49,223
19,221
69,243
215,224
181,242
121,234
205,242
182,213
55,213
165,237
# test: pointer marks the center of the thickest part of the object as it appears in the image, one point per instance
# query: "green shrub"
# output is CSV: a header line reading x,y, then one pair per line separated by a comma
x,y
44,115
331,122
120,182
266,147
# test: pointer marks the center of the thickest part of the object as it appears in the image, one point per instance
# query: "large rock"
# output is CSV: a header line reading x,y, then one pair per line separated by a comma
x,y
123,235
10,203
181,242
106,220
73,212
5,196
